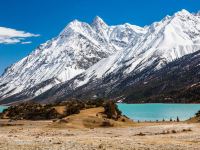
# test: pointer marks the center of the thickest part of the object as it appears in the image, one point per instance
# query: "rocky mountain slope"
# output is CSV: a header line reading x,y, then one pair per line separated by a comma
x,y
177,82
121,73
75,49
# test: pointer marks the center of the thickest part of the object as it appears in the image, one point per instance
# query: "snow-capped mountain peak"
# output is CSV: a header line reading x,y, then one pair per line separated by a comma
x,y
76,26
95,51
198,13
99,23
78,46
99,26
161,43
183,12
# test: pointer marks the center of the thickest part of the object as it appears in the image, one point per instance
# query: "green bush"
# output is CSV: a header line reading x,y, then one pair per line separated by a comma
x,y
35,111
197,114
31,111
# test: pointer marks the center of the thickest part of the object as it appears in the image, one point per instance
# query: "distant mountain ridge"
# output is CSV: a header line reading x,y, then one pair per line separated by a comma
x,y
123,56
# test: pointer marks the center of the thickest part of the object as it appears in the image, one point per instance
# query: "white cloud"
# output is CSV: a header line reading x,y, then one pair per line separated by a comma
x,y
12,36
27,42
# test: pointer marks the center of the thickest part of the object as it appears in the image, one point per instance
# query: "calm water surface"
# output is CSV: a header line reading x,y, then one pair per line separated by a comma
x,y
2,108
155,112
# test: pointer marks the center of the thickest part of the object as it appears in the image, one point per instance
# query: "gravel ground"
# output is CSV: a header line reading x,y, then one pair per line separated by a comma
x,y
41,135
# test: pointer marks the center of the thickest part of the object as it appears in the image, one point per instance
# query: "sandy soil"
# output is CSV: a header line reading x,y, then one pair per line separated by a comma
x,y
91,118
36,135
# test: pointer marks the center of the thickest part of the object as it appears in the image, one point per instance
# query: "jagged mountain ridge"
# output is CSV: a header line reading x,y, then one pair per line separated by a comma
x,y
75,49
157,45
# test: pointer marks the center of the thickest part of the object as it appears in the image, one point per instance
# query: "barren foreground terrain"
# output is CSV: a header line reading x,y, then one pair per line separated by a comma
x,y
36,135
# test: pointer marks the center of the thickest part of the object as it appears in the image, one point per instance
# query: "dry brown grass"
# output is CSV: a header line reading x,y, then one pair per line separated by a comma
x,y
92,118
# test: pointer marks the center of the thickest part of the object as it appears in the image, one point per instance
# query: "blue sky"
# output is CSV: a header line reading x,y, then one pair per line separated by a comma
x,y
48,17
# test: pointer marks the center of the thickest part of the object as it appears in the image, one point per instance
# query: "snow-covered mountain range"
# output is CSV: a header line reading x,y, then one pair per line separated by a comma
x,y
89,53
75,49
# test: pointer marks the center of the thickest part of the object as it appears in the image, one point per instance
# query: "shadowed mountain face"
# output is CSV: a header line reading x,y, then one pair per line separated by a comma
x,y
178,81
157,63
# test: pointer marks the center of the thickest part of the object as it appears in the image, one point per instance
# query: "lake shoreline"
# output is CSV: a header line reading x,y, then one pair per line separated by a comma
x,y
90,129
159,111
152,112
155,103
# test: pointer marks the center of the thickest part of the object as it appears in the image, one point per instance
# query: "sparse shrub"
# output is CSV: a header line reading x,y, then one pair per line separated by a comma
x,y
35,111
164,132
177,119
54,120
141,134
197,114
186,130
168,132
72,109
106,123
111,110
173,131
31,111
99,102
1,115
63,121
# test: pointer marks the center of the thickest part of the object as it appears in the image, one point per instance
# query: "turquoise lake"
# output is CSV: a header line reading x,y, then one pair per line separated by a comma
x,y
2,108
153,112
